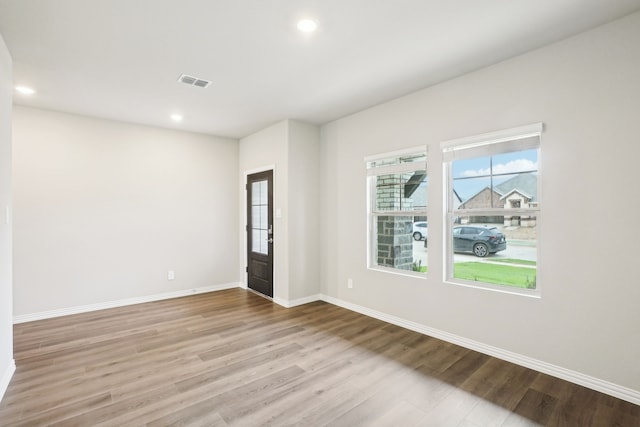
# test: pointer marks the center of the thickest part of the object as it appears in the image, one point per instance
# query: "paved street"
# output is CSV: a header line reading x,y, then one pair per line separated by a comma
x,y
515,249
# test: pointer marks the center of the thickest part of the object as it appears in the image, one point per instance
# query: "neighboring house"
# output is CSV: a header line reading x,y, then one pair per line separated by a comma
x,y
419,198
521,191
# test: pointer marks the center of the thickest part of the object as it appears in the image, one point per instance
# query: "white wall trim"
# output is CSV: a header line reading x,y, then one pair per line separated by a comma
x,y
121,303
258,170
593,383
6,377
281,301
396,153
519,132
300,301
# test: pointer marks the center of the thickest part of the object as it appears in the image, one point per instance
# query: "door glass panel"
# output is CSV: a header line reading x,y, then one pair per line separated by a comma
x,y
255,193
255,217
264,193
255,241
259,217
264,217
263,242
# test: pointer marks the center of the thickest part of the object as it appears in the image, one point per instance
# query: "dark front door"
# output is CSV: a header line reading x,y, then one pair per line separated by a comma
x,y
260,232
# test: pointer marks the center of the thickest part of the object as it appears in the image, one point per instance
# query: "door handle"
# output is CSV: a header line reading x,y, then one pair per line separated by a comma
x,y
270,240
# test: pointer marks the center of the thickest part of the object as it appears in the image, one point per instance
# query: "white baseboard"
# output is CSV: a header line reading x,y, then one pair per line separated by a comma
x,y
593,383
300,301
120,303
6,377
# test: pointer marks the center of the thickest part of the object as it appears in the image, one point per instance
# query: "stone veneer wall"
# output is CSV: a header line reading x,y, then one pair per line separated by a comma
x,y
395,241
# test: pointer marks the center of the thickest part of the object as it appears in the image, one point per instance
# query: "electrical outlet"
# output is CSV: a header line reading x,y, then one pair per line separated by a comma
x,y
349,283
171,275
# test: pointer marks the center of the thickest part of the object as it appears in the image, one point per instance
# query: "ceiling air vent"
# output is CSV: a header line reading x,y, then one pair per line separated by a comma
x,y
193,81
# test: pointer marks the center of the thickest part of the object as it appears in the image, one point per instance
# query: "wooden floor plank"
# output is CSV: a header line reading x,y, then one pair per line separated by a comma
x,y
234,358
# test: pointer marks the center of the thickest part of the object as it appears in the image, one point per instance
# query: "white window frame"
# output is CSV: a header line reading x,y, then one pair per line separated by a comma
x,y
373,213
493,143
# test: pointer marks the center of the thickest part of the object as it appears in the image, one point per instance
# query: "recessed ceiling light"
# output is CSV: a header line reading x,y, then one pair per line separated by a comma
x,y
176,117
25,90
307,25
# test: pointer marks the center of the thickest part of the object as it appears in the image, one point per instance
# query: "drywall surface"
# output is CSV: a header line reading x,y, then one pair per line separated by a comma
x,y
103,210
585,90
6,300
268,149
304,203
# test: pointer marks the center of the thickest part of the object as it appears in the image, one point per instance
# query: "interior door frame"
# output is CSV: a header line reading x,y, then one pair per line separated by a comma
x,y
245,251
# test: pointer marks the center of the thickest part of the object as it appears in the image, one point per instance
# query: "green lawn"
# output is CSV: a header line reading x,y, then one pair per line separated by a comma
x,y
514,261
520,277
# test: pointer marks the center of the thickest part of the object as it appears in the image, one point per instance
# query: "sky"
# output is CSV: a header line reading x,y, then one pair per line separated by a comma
x,y
470,174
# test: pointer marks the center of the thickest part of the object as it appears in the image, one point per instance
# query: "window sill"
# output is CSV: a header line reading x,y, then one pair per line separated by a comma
x,y
530,293
398,272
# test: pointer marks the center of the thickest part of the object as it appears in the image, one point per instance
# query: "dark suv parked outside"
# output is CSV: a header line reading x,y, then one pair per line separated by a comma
x,y
481,241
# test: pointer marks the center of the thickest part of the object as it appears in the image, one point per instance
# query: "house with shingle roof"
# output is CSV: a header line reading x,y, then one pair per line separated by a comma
x,y
520,191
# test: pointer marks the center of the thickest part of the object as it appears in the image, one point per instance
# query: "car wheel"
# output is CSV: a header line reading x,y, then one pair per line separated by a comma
x,y
417,236
480,249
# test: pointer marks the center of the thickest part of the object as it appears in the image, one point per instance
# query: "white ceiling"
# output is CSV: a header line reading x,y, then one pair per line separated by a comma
x,y
120,59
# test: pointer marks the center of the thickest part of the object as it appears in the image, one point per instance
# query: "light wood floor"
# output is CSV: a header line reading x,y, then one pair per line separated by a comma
x,y
234,358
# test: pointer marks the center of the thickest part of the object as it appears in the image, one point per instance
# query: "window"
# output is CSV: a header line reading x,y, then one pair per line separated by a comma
x,y
397,211
493,209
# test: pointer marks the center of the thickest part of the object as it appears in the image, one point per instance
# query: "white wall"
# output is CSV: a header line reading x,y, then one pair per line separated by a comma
x,y
304,204
103,209
7,364
586,91
291,149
